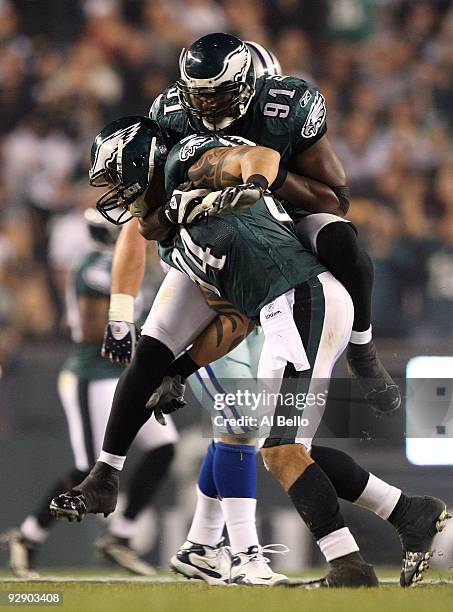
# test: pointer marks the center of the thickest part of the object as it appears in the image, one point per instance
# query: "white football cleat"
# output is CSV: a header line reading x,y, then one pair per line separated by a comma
x,y
21,553
252,567
119,551
209,563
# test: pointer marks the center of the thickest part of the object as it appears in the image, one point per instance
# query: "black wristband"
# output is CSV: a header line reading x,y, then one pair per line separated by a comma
x,y
163,219
279,179
259,180
184,366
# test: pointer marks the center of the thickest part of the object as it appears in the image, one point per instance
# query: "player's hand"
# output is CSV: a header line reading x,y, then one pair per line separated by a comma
x,y
234,197
167,398
185,207
120,340
139,207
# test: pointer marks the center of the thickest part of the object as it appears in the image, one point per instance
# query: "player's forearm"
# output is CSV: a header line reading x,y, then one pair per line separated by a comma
x,y
262,161
129,260
309,194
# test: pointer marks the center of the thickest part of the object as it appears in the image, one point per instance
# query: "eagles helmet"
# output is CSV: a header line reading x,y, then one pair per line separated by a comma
x,y
217,80
123,158
102,233
264,60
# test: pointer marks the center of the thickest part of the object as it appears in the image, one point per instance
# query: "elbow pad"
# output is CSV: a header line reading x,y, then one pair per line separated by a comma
x,y
343,196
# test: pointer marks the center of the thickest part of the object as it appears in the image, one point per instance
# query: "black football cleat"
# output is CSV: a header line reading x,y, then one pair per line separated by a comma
x,y
380,390
423,518
350,571
97,493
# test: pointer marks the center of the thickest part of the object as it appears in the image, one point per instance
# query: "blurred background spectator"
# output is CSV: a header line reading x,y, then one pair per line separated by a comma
x,y
69,66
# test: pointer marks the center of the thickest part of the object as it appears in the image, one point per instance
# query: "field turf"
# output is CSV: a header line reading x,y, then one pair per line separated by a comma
x,y
99,593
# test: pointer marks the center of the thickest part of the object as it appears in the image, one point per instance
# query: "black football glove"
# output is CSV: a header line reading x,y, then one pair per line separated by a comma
x,y
236,196
120,340
167,398
185,207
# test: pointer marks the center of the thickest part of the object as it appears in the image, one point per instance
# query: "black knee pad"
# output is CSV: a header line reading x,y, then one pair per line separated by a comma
x,y
347,476
337,244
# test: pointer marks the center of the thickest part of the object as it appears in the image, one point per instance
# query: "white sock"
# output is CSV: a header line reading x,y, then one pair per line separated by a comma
x,y
239,513
33,531
208,522
122,527
114,461
362,337
379,496
338,544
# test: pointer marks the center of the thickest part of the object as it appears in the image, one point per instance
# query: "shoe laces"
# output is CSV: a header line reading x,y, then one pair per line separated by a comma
x,y
222,551
268,549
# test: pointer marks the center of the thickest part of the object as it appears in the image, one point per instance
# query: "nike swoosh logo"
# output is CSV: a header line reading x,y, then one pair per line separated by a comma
x,y
197,564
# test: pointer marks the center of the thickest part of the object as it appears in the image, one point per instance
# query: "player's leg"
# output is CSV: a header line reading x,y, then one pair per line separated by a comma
x,y
416,519
176,317
228,474
203,554
157,445
322,313
24,542
334,241
157,450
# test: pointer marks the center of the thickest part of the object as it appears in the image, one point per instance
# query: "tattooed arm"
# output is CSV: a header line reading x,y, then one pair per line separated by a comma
x,y
226,166
225,332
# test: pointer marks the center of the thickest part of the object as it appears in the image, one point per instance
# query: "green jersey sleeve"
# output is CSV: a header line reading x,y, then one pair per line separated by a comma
x,y
186,152
167,111
311,116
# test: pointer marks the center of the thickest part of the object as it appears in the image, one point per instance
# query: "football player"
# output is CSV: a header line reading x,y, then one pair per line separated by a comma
x,y
416,519
86,385
218,92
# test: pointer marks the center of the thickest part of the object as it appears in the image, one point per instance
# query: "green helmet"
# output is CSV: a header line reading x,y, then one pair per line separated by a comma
x,y
123,157
217,80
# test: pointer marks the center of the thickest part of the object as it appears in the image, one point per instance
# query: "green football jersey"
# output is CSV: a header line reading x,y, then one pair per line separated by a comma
x,y
90,279
287,114
248,256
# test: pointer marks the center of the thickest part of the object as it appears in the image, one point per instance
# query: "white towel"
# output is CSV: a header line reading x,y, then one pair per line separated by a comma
x,y
282,342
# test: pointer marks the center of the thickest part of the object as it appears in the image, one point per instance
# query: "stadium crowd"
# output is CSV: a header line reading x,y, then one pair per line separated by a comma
x,y
69,66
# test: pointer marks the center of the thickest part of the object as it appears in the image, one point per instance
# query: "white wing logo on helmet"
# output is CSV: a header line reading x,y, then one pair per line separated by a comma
x,y
189,148
316,117
235,63
108,149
